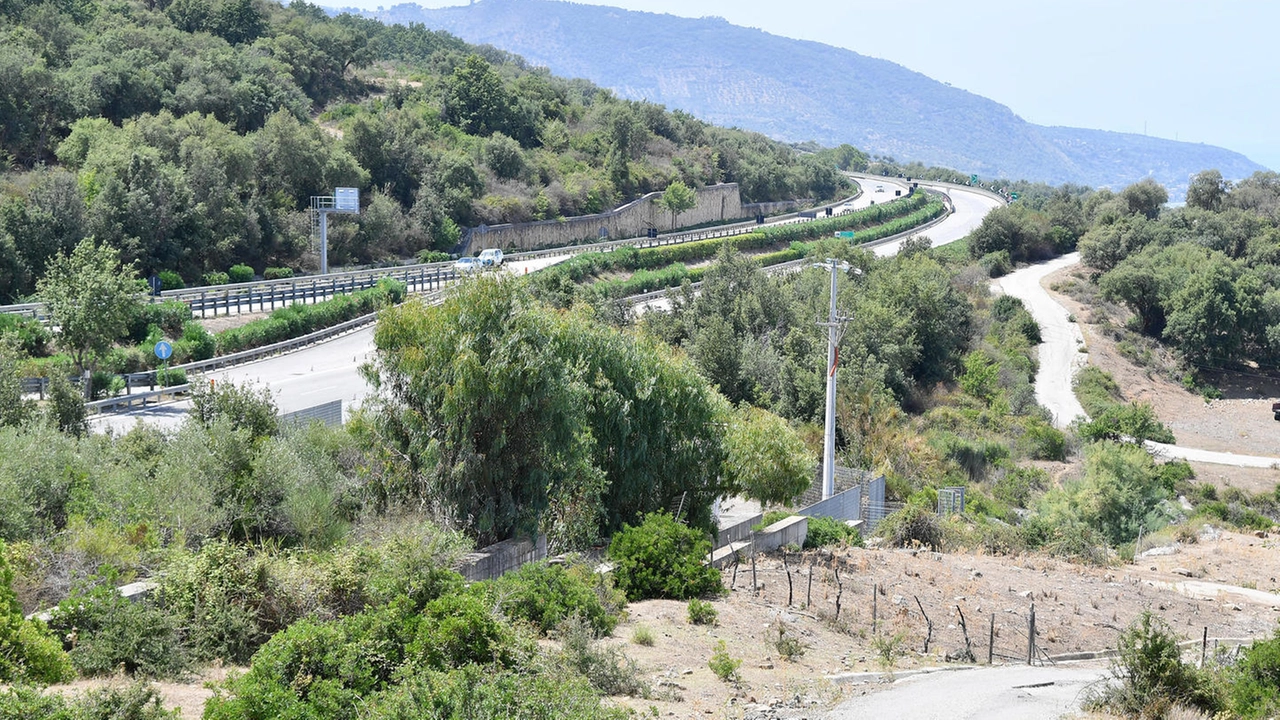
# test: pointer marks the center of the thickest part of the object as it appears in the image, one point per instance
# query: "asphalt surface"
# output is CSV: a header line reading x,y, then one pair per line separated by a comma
x,y
1012,692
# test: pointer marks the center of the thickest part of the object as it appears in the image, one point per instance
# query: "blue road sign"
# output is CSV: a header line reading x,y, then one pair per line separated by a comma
x,y
163,350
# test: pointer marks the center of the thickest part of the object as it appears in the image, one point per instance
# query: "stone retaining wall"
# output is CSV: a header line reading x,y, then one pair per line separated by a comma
x,y
715,203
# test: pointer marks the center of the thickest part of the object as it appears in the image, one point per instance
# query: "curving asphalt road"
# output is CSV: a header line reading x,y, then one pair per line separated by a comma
x,y
330,371
1062,354
1009,692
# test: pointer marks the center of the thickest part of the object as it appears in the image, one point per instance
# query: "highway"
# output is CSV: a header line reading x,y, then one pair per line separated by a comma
x,y
330,371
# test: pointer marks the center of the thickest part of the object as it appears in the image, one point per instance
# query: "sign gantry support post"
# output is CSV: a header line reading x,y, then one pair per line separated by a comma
x,y
344,201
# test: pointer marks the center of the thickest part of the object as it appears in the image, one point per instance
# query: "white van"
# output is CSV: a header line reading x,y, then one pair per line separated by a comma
x,y
491,257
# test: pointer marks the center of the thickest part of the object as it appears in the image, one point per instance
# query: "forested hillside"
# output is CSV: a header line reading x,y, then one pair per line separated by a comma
x,y
800,91
190,135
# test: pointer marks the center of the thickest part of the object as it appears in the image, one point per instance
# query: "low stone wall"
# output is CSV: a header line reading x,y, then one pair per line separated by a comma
x,y
715,203
492,561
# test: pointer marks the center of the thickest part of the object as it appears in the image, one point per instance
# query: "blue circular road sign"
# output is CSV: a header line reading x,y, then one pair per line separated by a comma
x,y
163,350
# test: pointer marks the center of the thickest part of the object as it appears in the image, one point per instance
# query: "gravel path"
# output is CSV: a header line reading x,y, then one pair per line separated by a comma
x,y
1062,351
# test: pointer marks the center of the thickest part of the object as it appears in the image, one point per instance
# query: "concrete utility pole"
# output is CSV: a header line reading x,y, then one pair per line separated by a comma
x,y
835,328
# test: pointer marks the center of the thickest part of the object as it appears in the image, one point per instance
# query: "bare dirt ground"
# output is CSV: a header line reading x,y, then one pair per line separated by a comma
x,y
1240,422
1230,581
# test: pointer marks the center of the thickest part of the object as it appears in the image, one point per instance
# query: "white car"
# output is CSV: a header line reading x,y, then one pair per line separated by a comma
x,y
491,257
468,265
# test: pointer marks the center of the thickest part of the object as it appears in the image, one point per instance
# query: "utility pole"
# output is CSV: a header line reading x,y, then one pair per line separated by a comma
x,y
835,328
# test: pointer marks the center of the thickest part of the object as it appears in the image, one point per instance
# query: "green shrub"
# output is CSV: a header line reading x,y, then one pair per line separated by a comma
x,y
433,256
996,264
605,667
277,273
169,317
1135,421
459,629
784,640
661,558
1150,677
170,280
114,633
1016,486
170,377
317,669
1096,390
825,531
240,274
216,278
702,612
642,636
1253,688
912,525
482,693
217,595
138,701
32,337
1042,441
770,518
546,595
27,652
723,664
298,320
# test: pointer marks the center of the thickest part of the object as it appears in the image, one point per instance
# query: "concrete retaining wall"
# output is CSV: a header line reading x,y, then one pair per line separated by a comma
x,y
787,531
715,203
737,532
490,562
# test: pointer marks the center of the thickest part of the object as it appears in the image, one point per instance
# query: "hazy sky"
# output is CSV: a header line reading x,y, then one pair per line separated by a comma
x,y
1194,71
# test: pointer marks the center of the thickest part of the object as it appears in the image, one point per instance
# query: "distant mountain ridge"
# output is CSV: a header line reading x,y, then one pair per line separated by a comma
x,y
797,90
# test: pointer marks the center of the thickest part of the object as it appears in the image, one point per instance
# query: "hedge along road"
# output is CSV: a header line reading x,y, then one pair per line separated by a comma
x,y
1063,353
329,371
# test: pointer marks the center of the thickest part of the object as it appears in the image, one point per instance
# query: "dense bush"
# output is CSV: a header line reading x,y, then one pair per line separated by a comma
x,y
433,256
170,317
545,595
1253,690
1150,677
702,612
661,558
277,273
240,274
111,633
1134,422
297,320
138,701
31,337
216,278
331,669
27,652
825,531
915,525
170,280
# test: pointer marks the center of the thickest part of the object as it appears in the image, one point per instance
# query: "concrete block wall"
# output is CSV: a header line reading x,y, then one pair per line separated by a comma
x,y
737,532
492,561
715,203
787,531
